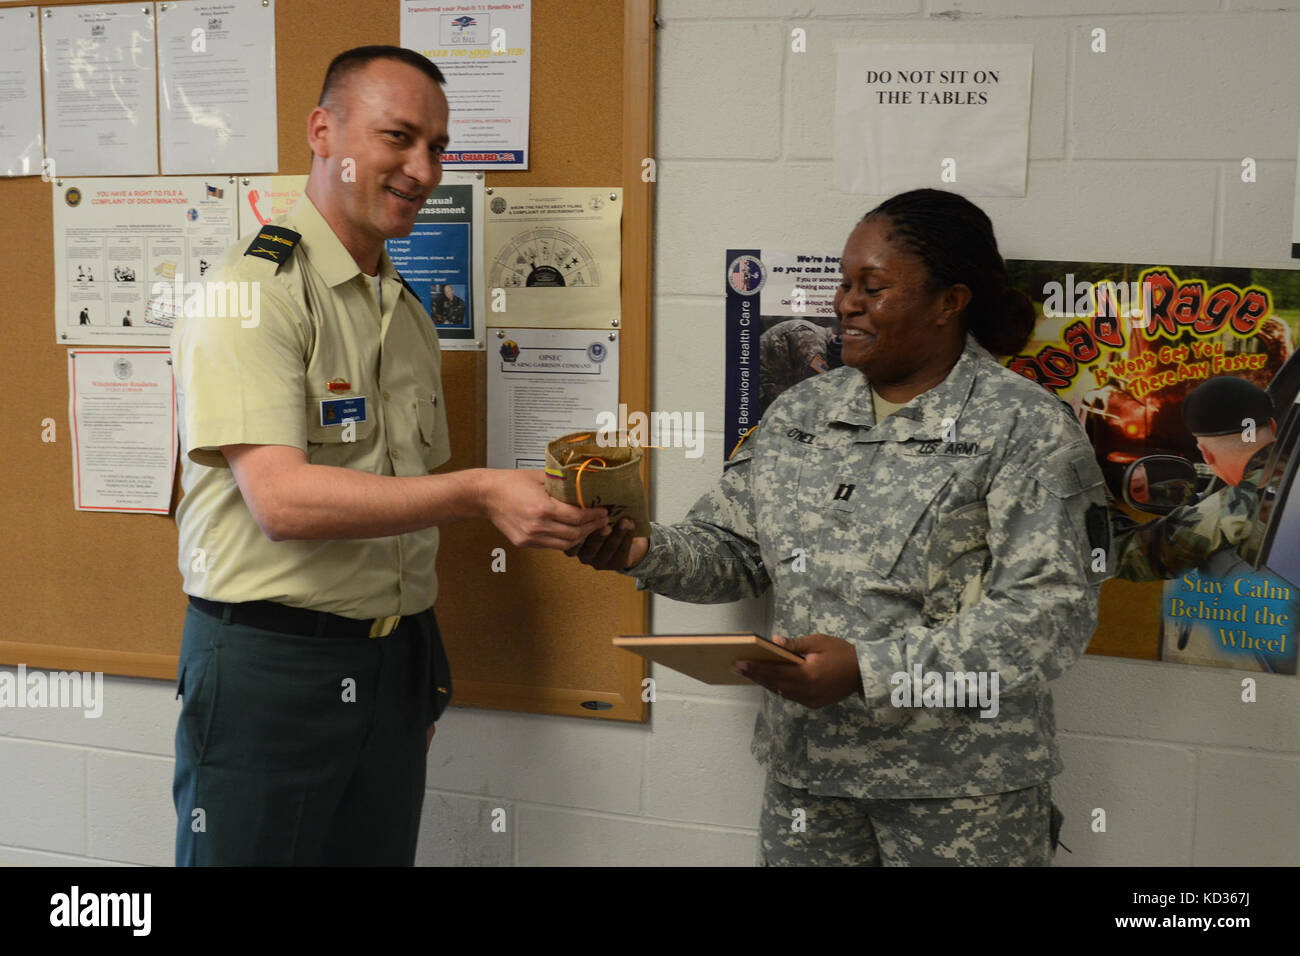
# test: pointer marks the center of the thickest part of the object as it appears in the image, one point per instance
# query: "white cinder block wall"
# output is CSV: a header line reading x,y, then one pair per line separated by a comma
x,y
1134,155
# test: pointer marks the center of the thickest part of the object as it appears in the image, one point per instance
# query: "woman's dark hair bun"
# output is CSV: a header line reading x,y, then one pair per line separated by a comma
x,y
953,237
1004,322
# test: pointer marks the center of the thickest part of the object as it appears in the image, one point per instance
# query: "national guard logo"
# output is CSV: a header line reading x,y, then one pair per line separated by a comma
x,y
72,196
746,275
509,350
122,368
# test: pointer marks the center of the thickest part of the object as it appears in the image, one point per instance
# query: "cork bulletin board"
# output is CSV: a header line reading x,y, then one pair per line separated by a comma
x,y
102,592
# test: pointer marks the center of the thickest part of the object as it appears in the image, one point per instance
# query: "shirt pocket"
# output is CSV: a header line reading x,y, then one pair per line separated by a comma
x,y
957,558
884,537
328,444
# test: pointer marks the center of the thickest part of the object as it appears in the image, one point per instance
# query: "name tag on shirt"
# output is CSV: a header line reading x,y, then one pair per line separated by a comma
x,y
336,411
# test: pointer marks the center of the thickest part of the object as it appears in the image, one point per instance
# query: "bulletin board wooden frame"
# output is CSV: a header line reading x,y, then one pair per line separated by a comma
x,y
102,592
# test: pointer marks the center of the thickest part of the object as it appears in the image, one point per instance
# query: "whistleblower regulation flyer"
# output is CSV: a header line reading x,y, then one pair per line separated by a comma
x,y
122,406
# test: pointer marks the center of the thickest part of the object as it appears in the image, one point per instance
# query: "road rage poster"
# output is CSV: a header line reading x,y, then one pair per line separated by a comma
x,y
1124,344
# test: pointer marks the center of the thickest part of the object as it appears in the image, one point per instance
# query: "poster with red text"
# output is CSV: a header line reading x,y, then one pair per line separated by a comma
x,y
1125,345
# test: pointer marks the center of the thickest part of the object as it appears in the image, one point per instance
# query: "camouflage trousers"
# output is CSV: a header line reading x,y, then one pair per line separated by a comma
x,y
798,828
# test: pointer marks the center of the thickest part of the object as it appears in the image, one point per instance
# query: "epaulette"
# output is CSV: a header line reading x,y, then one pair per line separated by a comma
x,y
274,243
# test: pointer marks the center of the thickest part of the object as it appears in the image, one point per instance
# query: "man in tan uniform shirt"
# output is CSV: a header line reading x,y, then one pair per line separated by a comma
x,y
311,663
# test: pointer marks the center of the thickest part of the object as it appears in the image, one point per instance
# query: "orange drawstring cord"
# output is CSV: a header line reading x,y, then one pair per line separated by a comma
x,y
578,482
603,463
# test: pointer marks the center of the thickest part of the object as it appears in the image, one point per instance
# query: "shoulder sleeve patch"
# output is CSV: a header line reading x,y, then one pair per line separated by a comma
x,y
274,243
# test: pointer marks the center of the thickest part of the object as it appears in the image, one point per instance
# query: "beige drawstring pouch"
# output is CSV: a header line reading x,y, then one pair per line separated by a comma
x,y
582,472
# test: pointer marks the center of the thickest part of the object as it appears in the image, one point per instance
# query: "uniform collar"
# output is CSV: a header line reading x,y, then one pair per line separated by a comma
x,y
924,416
325,250
1253,473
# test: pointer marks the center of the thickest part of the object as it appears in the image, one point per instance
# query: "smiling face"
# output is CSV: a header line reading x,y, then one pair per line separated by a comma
x,y
379,154
903,336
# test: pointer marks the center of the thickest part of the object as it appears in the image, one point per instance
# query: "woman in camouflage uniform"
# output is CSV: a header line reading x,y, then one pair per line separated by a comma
x,y
933,530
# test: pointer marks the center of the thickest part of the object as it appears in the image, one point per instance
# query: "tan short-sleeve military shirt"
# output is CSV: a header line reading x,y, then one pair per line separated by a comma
x,y
307,360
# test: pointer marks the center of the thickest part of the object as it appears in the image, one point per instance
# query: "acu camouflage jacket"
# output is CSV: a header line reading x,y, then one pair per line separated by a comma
x,y
965,533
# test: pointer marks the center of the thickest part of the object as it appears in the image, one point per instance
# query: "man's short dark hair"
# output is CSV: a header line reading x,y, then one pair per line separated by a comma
x,y
349,62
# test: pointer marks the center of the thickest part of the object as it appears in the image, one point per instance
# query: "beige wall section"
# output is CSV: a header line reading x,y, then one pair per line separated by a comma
x,y
1187,773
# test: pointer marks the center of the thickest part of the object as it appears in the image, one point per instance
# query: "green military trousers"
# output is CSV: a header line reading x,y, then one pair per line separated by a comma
x,y
1017,828
301,750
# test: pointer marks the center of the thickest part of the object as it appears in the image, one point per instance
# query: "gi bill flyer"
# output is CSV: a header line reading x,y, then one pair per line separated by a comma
x,y
485,51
